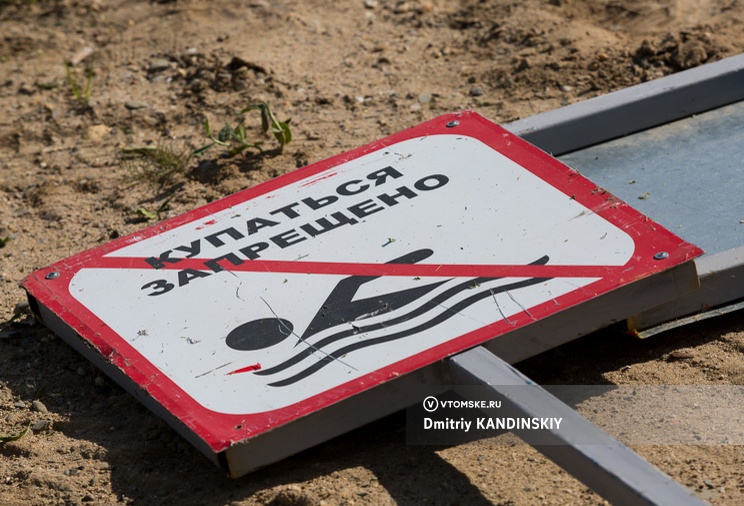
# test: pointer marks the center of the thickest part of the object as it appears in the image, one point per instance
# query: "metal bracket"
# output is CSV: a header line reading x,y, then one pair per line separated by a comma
x,y
635,108
607,466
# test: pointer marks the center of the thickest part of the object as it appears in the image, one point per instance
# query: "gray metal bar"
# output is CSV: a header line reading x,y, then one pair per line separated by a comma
x,y
636,108
687,320
608,467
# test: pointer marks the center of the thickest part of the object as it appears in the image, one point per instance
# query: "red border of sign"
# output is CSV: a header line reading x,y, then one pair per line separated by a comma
x,y
221,430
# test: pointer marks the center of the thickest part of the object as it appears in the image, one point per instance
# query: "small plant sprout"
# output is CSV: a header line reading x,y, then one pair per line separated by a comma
x,y
280,129
15,437
151,215
235,139
81,94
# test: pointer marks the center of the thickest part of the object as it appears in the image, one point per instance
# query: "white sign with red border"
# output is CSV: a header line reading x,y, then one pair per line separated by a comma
x,y
275,302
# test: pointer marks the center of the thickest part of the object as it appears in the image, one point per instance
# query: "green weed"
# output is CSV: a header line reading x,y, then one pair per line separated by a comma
x,y
234,139
81,94
15,437
280,129
158,164
151,215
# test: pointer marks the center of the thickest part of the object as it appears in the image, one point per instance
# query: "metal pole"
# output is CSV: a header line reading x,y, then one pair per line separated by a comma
x,y
607,466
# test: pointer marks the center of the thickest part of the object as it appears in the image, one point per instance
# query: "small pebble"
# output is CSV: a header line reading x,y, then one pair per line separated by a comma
x,y
100,381
40,425
402,8
159,65
81,54
26,90
133,105
19,404
424,98
97,133
681,354
81,371
39,406
476,91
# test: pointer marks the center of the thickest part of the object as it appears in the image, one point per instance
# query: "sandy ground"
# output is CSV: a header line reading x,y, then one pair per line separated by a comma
x,y
346,73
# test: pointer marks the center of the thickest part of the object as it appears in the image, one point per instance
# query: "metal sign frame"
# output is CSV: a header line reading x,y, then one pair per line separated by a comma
x,y
634,109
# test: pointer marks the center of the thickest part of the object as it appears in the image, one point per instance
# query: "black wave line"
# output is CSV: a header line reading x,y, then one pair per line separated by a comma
x,y
424,308
446,315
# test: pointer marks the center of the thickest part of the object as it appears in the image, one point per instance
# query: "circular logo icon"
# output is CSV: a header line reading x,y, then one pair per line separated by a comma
x,y
431,404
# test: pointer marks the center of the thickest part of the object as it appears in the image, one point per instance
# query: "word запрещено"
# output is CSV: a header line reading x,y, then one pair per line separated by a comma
x,y
292,236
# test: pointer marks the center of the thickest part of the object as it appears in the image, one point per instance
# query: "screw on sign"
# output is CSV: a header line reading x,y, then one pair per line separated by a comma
x,y
290,312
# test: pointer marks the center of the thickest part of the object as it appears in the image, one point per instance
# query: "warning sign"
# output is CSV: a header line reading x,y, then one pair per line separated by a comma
x,y
291,296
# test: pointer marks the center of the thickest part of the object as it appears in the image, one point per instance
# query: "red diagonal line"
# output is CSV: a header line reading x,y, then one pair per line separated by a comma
x,y
374,269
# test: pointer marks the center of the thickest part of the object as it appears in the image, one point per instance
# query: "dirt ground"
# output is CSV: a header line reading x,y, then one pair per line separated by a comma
x,y
346,73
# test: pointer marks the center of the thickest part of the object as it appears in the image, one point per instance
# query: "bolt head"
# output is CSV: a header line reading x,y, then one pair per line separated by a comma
x,y
661,255
52,275
452,124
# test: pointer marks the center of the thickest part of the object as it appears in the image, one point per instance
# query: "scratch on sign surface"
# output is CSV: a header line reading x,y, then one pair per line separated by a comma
x,y
520,305
303,340
212,370
499,307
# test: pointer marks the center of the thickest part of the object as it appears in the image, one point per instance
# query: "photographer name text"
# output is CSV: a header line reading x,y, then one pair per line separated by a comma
x,y
488,423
